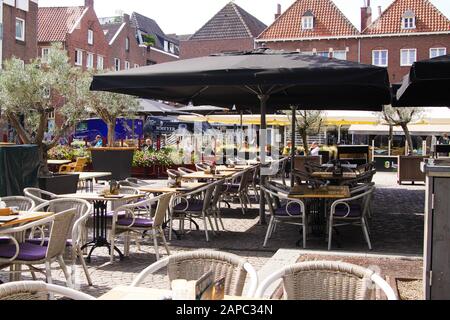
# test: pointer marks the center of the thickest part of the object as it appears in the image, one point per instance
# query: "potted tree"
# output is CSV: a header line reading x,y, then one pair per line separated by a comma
x,y
110,107
29,93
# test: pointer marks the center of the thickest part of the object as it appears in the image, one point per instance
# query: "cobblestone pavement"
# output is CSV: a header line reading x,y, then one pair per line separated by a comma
x,y
396,229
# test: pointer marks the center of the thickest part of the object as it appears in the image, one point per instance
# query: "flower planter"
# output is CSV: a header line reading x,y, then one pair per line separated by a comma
x,y
60,183
118,161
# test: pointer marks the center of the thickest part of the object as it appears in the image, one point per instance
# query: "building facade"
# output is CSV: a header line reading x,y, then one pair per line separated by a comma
x,y
231,29
79,32
407,31
18,31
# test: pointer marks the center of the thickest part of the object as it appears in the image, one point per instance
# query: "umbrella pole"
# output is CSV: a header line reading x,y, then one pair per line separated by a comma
x,y
293,146
262,153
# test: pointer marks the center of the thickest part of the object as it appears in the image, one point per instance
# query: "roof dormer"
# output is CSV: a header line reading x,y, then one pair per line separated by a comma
x,y
409,20
308,20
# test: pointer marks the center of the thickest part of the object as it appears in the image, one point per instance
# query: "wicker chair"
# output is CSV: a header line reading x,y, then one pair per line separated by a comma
x,y
184,171
134,182
351,211
37,290
291,212
327,280
173,174
38,196
131,223
22,203
192,265
196,204
239,190
32,254
202,166
78,232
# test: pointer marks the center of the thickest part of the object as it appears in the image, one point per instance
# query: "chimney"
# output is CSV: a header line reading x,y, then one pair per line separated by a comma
x,y
89,3
278,14
126,18
366,15
379,11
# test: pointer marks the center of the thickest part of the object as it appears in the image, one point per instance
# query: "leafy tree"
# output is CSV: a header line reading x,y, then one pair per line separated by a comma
x,y
309,122
402,117
149,40
28,94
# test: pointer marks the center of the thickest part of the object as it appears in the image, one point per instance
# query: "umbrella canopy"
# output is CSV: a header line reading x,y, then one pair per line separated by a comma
x,y
427,84
244,79
156,108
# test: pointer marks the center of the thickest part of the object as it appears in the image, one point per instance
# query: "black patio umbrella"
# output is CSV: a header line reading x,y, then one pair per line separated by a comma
x,y
427,84
204,110
157,108
260,80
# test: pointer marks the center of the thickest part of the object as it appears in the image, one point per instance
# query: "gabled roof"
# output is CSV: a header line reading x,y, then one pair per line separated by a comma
x,y
329,21
149,26
428,18
54,23
111,29
232,22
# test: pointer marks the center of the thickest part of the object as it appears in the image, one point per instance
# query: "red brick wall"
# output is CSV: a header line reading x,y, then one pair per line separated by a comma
x,y
319,45
200,48
26,50
395,44
159,57
135,55
79,40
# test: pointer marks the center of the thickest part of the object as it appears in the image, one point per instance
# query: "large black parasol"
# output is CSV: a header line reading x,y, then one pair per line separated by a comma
x,y
427,84
262,81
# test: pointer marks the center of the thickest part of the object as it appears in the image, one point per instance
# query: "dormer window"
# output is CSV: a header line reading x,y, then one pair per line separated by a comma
x,y
308,21
409,20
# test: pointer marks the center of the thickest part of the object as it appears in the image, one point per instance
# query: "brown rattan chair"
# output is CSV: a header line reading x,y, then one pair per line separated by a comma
x,y
37,290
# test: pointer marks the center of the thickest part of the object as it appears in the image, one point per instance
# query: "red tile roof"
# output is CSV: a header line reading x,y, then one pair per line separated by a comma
x,y
428,18
55,22
329,21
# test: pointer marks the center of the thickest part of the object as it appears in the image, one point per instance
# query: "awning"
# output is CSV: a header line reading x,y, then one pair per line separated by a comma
x,y
417,130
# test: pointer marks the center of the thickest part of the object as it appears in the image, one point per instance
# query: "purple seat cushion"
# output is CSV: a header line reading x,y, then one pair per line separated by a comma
x,y
294,210
194,205
4,240
39,241
138,223
342,211
27,252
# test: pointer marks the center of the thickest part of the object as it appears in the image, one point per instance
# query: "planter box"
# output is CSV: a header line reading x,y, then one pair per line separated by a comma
x,y
118,161
409,169
60,183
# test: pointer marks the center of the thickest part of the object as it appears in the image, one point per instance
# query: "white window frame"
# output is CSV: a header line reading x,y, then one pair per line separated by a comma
x,y
22,37
437,48
408,63
90,60
408,23
127,44
166,46
117,63
100,62
90,36
78,57
44,56
172,47
127,65
308,23
387,57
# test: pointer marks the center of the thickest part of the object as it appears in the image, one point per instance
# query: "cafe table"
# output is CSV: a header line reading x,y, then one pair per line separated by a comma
x,y
124,293
200,175
89,177
316,202
100,203
58,162
233,169
161,188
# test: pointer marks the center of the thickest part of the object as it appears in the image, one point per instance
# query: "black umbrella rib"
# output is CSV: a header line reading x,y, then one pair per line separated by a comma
x,y
199,92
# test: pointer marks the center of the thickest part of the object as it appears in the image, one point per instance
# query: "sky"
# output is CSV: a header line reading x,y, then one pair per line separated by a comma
x,y
187,16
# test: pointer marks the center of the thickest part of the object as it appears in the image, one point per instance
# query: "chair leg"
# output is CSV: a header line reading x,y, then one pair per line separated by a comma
x,y
164,240
206,226
305,231
65,271
112,238
242,205
171,228
268,231
127,245
48,272
83,264
155,243
330,234
366,233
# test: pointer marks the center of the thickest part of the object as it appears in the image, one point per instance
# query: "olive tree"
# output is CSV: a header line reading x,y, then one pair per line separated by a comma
x,y
28,93
402,117
308,123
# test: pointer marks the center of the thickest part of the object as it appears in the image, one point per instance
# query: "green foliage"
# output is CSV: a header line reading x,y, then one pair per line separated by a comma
x,y
149,40
68,153
147,159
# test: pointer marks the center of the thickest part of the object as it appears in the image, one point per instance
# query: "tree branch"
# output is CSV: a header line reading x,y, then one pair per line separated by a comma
x,y
23,135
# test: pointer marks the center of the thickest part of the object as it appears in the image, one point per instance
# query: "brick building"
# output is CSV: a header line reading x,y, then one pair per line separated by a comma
x,y
78,30
165,49
18,23
124,50
407,31
231,29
